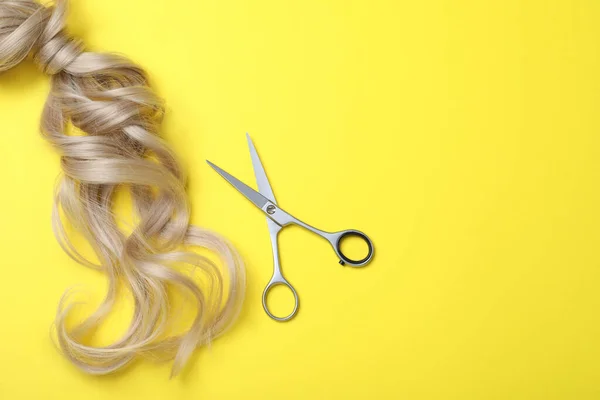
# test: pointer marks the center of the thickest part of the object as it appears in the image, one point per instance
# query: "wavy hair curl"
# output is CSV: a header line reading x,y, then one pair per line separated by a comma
x,y
108,98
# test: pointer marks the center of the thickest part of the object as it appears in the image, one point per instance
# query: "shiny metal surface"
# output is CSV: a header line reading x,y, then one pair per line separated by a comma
x,y
277,219
265,189
258,199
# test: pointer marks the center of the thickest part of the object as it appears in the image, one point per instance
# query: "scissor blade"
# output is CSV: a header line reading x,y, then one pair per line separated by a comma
x,y
264,187
258,199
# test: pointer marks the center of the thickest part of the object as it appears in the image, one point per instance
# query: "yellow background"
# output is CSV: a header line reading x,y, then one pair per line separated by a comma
x,y
462,136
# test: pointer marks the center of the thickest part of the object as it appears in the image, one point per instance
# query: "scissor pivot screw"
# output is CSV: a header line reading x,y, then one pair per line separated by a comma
x,y
271,209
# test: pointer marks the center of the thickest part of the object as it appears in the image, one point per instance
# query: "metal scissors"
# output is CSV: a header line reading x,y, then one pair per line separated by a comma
x,y
277,219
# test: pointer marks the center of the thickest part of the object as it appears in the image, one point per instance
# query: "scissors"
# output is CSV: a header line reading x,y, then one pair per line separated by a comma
x,y
277,219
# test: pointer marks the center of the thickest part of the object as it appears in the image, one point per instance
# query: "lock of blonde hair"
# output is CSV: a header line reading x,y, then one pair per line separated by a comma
x,y
108,98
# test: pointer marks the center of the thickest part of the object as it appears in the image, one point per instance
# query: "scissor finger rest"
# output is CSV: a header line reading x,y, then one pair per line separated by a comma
x,y
271,285
337,239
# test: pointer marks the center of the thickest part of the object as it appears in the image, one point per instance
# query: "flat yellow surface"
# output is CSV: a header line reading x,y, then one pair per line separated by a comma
x,y
462,136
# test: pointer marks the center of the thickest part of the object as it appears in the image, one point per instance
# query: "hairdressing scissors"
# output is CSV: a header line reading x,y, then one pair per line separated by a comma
x,y
277,219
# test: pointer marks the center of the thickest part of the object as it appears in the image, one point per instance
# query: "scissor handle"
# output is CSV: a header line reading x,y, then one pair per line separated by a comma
x,y
336,239
282,218
275,281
